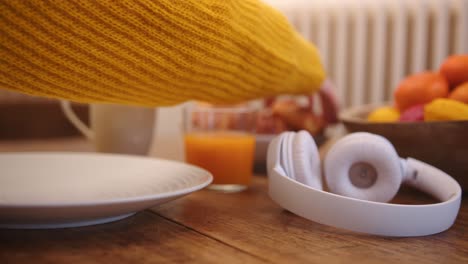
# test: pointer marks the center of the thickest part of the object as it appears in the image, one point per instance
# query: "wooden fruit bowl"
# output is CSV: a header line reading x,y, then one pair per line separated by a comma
x,y
441,144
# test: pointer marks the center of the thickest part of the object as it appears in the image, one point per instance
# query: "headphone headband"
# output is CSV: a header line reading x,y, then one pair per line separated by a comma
x,y
366,216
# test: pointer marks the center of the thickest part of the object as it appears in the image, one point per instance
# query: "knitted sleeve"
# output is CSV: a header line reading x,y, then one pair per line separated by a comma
x,y
153,52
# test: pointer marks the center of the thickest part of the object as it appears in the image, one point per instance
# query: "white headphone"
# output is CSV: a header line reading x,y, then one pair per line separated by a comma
x,y
364,172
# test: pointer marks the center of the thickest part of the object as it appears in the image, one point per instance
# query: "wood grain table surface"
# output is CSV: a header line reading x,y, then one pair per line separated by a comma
x,y
212,227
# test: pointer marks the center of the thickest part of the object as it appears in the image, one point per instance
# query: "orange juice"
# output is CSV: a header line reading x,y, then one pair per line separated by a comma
x,y
228,156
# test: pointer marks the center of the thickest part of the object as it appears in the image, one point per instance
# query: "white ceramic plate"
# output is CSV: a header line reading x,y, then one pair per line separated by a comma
x,y
56,190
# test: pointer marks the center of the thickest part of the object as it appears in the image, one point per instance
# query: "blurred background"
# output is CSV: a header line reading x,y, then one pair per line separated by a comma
x,y
367,47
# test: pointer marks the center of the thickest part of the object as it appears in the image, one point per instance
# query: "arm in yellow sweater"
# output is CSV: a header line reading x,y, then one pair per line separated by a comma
x,y
149,52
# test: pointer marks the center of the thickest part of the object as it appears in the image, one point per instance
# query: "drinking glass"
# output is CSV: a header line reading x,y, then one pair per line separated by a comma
x,y
221,140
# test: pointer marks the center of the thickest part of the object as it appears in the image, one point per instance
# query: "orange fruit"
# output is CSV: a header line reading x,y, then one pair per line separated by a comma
x,y
460,93
420,88
455,69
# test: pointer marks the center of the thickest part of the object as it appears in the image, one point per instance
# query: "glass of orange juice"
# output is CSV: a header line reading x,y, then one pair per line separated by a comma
x,y
221,140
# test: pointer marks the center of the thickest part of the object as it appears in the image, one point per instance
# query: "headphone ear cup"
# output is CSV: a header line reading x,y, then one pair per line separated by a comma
x,y
306,160
286,148
363,166
274,153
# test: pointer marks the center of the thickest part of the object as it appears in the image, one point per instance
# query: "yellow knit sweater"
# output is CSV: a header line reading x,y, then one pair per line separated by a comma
x,y
153,52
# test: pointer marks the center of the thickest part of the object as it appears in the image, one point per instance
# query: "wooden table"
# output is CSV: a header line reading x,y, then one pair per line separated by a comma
x,y
211,227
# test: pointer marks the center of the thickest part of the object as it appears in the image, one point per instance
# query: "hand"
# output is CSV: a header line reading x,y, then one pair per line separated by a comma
x,y
329,102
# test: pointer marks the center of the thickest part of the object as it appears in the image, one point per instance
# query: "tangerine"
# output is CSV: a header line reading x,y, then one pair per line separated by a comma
x,y
420,88
455,69
460,93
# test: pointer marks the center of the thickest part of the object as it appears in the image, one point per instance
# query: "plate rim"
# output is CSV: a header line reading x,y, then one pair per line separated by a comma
x,y
127,200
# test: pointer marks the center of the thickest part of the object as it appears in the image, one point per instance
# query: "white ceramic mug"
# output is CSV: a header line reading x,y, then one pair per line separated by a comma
x,y
116,128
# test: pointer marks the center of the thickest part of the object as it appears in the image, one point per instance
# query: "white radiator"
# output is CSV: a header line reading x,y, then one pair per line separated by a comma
x,y
368,46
